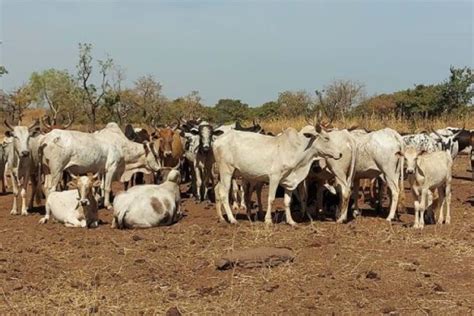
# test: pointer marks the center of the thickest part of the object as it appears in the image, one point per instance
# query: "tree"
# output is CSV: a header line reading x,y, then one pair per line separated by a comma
x,y
56,89
148,98
186,107
337,98
16,103
458,90
267,110
3,71
92,95
294,103
227,110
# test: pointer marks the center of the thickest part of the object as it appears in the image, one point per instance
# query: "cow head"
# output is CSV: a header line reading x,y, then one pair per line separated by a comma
x,y
323,144
206,134
86,187
21,137
411,158
446,141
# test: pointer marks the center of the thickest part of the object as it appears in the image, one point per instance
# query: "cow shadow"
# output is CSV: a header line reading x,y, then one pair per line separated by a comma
x,y
462,178
37,210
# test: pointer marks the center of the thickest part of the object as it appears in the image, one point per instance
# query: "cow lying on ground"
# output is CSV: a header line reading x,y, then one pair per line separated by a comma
x,y
427,172
149,205
76,207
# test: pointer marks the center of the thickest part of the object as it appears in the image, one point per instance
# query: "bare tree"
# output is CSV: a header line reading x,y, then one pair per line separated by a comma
x,y
92,95
339,97
17,102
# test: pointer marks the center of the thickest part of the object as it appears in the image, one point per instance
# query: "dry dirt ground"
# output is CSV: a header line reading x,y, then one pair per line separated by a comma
x,y
364,267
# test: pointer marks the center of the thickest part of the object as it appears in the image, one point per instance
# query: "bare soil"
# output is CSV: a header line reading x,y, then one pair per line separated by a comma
x,y
367,266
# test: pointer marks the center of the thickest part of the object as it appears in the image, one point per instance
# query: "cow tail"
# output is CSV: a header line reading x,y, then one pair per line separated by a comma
x,y
402,180
120,218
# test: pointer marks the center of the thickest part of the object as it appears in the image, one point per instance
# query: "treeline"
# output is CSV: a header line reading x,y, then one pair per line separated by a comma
x,y
96,94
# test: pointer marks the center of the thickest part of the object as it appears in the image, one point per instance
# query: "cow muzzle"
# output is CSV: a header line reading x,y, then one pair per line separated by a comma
x,y
25,153
84,202
205,148
410,171
168,153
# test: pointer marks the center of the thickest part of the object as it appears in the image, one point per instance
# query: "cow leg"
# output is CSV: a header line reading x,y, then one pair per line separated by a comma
x,y
108,187
272,188
198,174
448,202
47,215
23,192
287,201
226,179
219,201
259,188
14,177
424,196
303,193
246,195
416,206
395,191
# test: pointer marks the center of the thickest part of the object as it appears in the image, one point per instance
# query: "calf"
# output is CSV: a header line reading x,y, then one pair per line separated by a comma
x,y
204,158
427,172
76,207
171,148
149,205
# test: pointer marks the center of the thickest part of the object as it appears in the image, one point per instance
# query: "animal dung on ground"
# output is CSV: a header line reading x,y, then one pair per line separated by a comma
x,y
254,258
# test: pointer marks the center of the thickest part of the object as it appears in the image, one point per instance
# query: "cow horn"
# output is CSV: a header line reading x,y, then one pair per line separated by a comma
x,y
177,166
71,120
34,124
8,124
43,120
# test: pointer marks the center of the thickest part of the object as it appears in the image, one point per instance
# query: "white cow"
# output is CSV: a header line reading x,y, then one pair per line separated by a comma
x,y
23,160
341,170
284,160
77,207
426,173
149,205
377,156
80,153
138,157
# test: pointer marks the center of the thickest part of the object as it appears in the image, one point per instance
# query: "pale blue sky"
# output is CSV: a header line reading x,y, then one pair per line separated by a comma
x,y
249,50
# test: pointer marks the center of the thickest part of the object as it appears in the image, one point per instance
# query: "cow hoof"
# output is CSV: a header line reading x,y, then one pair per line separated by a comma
x,y
292,224
268,222
341,221
234,222
389,219
43,221
13,212
24,213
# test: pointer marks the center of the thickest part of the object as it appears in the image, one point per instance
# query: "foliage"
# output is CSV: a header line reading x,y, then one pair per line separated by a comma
x,y
15,103
339,97
55,89
267,110
229,110
295,103
3,71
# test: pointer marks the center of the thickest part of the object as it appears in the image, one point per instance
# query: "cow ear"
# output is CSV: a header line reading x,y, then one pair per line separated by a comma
x,y
8,133
423,152
96,183
399,154
309,135
217,133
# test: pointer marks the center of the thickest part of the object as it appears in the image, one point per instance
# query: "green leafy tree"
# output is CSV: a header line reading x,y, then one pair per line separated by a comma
x,y
3,71
458,91
227,110
55,89
267,110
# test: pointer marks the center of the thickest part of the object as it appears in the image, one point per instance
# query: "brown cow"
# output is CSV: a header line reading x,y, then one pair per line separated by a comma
x,y
171,148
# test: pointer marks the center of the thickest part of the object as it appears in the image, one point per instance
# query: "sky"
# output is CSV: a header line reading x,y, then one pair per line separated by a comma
x,y
247,50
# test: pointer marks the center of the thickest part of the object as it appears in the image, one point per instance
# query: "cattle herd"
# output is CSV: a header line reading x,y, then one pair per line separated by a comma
x,y
75,170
